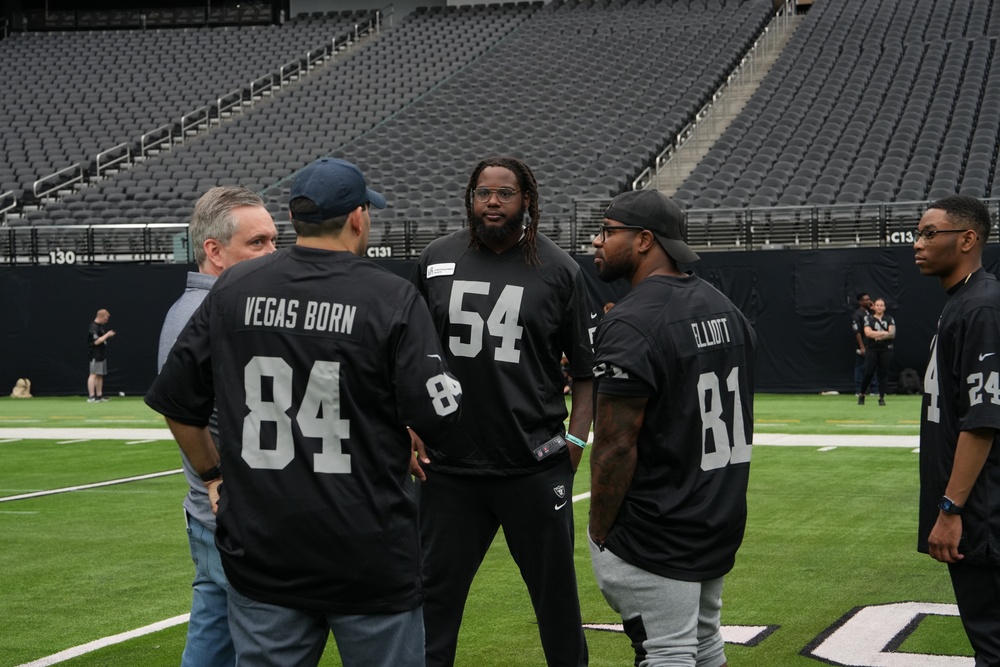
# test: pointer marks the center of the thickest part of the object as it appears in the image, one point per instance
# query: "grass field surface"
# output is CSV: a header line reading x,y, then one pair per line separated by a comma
x,y
830,546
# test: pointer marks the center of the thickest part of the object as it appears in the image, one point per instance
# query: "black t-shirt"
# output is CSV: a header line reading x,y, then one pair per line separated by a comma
x,y
961,393
317,362
97,352
858,323
876,324
685,346
504,327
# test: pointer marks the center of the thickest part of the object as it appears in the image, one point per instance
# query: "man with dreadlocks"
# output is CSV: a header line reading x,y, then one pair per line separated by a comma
x,y
507,304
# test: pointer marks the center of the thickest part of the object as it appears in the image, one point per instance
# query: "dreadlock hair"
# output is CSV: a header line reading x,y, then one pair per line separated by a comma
x,y
526,182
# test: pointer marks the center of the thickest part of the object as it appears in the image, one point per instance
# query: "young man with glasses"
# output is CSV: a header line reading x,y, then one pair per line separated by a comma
x,y
673,429
508,303
960,418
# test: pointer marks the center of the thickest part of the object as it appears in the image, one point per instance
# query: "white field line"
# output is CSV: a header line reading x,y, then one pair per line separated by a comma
x,y
77,651
84,487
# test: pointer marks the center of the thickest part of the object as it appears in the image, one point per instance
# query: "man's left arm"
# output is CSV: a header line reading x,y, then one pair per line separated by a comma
x,y
970,456
581,415
613,459
198,446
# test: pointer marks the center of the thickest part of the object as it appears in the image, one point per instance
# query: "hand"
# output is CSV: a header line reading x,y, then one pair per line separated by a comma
x,y
419,456
944,538
213,493
110,334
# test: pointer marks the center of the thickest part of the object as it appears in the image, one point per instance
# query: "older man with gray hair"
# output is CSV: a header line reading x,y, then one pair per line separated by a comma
x,y
229,225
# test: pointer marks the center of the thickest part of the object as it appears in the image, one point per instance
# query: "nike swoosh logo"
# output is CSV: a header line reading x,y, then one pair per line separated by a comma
x,y
988,354
593,315
435,356
559,507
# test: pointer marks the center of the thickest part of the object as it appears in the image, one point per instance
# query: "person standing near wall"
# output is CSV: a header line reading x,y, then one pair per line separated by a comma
x,y
880,331
98,337
858,326
960,418
229,225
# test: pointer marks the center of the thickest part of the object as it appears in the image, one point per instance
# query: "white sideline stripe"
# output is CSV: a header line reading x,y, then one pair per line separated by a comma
x,y
84,487
10,440
77,651
826,449
71,442
139,442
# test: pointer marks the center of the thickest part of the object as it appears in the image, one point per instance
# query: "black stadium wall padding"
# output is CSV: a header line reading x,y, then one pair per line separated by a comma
x,y
800,303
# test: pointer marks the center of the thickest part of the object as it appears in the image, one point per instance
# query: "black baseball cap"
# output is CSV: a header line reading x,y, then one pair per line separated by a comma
x,y
653,210
335,186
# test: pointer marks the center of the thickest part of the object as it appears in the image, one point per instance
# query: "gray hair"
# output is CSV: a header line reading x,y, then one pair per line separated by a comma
x,y
212,217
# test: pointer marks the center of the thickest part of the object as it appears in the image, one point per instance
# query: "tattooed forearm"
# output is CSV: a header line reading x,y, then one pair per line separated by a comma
x,y
612,460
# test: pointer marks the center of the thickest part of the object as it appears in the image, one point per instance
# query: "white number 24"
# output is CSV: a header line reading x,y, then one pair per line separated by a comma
x,y
318,416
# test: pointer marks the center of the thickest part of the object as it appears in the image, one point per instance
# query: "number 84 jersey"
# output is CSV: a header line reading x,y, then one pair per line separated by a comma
x,y
682,344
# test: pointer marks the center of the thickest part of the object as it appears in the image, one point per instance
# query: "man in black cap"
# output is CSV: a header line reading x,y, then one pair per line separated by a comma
x,y
322,360
673,363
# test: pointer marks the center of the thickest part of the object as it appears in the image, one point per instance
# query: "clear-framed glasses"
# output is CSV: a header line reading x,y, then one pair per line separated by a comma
x,y
505,195
928,234
605,229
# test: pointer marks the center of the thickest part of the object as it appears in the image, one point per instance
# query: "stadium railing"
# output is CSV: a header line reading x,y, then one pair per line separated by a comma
x,y
746,229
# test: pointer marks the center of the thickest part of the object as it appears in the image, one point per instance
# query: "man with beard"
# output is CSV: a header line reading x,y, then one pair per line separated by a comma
x,y
674,368
508,304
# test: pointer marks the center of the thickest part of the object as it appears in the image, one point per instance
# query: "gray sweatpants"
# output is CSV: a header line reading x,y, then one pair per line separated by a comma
x,y
671,623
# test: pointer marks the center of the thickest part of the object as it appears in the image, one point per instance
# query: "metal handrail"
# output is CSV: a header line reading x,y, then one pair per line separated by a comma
x,y
102,165
148,142
62,183
266,83
292,66
9,195
193,120
226,102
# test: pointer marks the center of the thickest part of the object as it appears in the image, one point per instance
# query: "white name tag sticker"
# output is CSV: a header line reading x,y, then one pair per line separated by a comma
x,y
445,269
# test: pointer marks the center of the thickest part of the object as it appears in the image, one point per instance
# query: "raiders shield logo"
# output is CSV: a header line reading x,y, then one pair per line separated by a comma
x,y
560,490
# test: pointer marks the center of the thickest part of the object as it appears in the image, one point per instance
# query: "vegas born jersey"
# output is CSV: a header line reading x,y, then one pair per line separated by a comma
x,y
504,327
961,393
685,346
317,361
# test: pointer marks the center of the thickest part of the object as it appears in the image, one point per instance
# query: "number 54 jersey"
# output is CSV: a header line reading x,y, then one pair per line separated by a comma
x,y
682,344
505,327
317,361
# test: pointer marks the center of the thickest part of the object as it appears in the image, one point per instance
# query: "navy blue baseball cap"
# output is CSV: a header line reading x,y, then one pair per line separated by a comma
x,y
335,186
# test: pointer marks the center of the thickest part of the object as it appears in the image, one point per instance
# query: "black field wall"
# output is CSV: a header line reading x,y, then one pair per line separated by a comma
x,y
799,301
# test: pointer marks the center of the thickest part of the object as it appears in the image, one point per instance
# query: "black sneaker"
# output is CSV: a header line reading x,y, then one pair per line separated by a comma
x,y
881,401
861,399
103,399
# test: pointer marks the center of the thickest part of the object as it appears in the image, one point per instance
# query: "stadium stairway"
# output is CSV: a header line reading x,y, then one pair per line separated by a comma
x,y
727,104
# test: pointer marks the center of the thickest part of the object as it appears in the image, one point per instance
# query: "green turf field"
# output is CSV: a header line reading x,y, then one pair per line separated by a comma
x,y
829,532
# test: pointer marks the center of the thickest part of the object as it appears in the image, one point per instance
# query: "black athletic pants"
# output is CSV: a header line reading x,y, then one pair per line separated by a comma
x,y
977,590
876,361
459,517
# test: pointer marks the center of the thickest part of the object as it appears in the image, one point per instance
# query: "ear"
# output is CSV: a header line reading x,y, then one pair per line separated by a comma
x,y
645,242
213,252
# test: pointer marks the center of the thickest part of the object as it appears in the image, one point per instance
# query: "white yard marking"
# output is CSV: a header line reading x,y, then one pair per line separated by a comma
x,y
77,651
84,487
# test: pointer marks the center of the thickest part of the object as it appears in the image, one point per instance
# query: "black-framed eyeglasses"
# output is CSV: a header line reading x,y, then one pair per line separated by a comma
x,y
604,229
928,234
505,195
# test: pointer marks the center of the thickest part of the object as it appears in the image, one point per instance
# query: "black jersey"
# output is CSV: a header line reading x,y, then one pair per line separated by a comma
x,y
961,393
317,362
97,352
858,322
504,327
685,346
876,324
